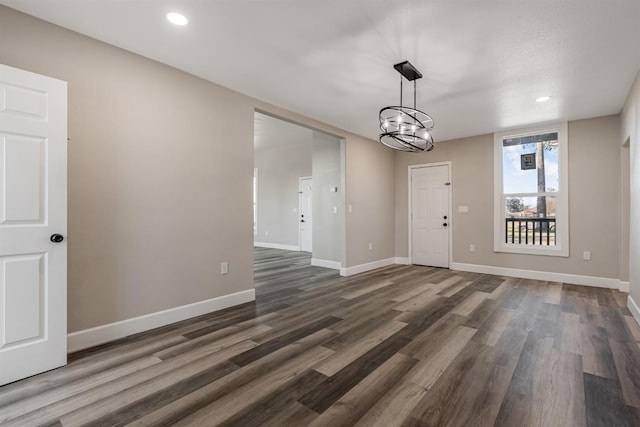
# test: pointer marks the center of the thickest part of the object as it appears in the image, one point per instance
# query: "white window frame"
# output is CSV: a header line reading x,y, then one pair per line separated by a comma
x,y
561,248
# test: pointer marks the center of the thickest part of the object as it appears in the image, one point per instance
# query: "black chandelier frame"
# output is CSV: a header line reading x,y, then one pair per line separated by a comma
x,y
405,128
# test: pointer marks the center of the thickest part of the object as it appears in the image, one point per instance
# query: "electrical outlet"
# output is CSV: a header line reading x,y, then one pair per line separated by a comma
x,y
472,248
586,255
370,245
224,267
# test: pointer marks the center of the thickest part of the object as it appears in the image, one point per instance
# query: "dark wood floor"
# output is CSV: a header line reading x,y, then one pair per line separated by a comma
x,y
403,345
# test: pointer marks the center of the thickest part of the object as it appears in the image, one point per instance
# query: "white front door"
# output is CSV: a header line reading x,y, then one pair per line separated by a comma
x,y
430,216
33,213
306,220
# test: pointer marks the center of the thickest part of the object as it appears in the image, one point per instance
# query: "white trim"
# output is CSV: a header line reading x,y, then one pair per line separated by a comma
x,y
357,269
255,201
401,260
624,286
449,164
112,331
335,265
562,195
276,246
633,308
597,282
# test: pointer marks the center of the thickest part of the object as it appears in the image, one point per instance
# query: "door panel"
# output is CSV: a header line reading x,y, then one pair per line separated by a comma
x,y
429,207
22,286
33,206
21,186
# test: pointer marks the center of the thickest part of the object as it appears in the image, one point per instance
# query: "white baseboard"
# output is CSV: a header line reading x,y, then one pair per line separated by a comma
x,y
633,308
334,265
401,260
276,246
598,282
112,331
356,269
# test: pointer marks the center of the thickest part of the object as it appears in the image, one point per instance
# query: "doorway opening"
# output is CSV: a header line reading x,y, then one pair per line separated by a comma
x,y
299,190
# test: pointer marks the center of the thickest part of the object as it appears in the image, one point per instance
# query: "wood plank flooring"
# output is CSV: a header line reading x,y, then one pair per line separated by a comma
x,y
398,346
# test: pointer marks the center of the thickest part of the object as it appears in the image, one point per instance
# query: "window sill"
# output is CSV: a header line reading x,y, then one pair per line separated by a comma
x,y
518,249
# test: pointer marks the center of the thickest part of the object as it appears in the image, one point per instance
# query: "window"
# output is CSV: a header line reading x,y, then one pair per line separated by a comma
x,y
530,186
255,201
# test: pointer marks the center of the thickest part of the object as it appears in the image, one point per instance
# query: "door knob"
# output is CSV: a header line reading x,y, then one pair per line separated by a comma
x,y
445,224
302,220
56,238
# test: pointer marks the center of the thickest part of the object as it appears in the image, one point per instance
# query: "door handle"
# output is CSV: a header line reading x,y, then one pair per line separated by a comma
x,y
445,224
302,220
56,238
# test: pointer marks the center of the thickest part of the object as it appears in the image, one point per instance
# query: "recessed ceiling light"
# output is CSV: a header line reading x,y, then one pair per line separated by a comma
x,y
177,18
543,99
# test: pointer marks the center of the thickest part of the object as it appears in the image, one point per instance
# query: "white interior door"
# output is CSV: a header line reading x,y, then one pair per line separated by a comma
x,y
33,208
306,220
430,216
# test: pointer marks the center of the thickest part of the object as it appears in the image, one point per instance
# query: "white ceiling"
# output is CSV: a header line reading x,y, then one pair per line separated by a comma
x,y
483,63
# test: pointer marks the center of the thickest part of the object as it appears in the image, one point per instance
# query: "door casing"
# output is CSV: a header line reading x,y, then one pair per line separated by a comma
x,y
301,182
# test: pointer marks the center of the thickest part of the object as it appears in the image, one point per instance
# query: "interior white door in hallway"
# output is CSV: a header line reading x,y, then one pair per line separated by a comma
x,y
306,219
33,220
430,216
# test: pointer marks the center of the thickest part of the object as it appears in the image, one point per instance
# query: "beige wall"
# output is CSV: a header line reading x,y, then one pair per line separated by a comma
x,y
594,201
149,222
158,197
370,192
630,130
328,224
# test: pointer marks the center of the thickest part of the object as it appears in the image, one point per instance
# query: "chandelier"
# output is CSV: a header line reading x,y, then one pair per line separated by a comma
x,y
405,128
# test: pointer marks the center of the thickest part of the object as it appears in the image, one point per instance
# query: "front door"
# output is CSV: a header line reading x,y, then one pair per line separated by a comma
x,y
306,220
430,216
33,224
